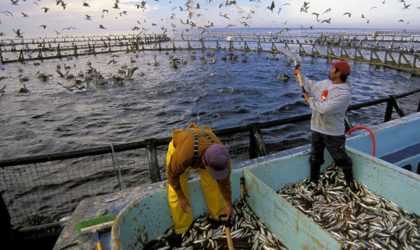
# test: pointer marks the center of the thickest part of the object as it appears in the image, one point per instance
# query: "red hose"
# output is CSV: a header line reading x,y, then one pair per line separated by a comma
x,y
372,136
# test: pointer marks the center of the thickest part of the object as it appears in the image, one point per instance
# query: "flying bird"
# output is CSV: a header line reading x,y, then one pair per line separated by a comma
x,y
406,6
7,13
102,27
326,21
315,14
85,4
272,6
326,11
45,9
24,14
305,7
347,13
224,15
18,33
43,26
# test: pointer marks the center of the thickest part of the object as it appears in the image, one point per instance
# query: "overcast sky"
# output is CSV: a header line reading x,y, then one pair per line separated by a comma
x,y
179,16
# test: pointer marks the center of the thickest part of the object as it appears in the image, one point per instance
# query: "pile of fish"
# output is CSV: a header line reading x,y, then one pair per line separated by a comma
x,y
248,232
360,220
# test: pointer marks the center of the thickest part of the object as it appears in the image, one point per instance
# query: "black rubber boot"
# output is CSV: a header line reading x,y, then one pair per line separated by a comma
x,y
174,240
348,175
315,169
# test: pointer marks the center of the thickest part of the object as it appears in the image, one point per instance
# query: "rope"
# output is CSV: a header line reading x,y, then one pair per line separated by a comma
x,y
118,173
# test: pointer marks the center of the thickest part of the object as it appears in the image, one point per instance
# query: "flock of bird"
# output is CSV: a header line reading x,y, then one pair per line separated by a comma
x,y
71,78
185,16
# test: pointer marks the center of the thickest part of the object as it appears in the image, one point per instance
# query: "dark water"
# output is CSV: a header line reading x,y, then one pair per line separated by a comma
x,y
225,94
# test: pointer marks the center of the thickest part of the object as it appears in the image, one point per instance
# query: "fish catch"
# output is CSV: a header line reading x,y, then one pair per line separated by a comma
x,y
361,220
248,232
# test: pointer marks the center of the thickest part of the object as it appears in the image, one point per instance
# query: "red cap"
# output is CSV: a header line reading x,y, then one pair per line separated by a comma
x,y
342,66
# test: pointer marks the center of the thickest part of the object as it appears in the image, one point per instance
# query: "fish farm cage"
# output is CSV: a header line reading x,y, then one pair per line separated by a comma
x,y
39,192
396,51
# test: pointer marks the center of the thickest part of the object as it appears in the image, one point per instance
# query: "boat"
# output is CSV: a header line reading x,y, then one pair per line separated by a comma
x,y
143,214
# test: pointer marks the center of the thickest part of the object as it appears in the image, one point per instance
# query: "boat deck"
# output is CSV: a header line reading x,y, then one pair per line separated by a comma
x,y
137,218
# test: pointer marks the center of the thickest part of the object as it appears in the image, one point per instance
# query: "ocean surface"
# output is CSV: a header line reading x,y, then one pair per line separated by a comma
x,y
159,98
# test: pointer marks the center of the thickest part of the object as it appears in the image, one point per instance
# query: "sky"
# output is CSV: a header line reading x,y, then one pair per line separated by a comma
x,y
28,18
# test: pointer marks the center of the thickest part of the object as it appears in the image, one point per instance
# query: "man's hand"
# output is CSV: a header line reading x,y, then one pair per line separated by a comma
x,y
183,202
229,208
306,96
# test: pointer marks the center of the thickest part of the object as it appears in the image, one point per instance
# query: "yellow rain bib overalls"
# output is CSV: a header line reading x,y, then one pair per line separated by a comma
x,y
215,201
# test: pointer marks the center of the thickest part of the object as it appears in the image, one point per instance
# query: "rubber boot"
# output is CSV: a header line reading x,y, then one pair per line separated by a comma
x,y
315,169
174,240
348,175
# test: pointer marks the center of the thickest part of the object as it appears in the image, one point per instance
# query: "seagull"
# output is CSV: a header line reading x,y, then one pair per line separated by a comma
x,y
18,33
102,27
43,26
316,14
326,11
88,17
347,13
24,14
45,9
406,6
305,7
272,6
224,15
23,89
69,28
7,13
14,2
62,4
326,21
85,4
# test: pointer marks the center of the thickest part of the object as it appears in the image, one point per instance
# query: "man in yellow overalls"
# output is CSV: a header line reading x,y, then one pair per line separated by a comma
x,y
197,149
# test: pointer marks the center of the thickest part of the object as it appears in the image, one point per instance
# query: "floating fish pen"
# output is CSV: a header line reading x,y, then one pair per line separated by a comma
x,y
58,48
398,53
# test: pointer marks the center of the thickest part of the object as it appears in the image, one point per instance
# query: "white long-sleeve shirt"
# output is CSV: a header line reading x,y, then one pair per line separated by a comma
x,y
329,103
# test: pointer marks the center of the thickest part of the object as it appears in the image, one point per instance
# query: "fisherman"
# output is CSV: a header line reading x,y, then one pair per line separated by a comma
x,y
197,149
329,100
